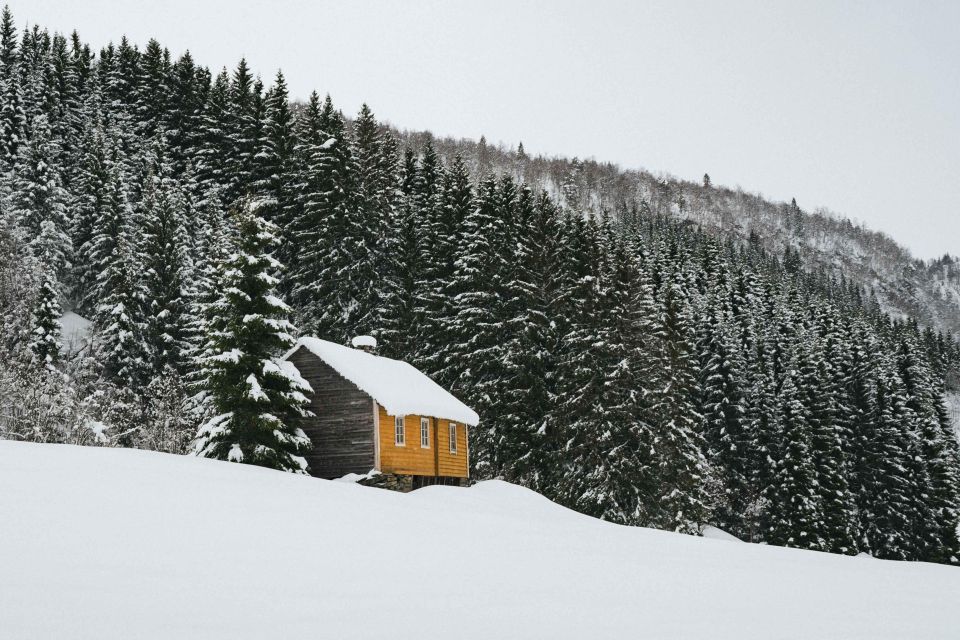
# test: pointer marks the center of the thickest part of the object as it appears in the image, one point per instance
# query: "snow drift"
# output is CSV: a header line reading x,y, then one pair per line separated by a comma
x,y
110,543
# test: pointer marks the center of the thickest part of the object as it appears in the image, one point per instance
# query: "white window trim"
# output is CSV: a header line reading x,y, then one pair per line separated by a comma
x,y
452,435
424,431
400,429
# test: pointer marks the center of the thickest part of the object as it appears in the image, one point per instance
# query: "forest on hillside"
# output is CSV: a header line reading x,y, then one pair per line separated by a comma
x,y
624,362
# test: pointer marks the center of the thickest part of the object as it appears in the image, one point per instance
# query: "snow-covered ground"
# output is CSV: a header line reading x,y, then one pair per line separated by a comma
x,y
74,331
110,543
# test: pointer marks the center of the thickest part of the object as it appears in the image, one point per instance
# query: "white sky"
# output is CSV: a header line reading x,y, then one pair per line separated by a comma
x,y
854,106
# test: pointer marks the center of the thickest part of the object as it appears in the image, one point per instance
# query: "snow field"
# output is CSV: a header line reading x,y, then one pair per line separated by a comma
x,y
112,543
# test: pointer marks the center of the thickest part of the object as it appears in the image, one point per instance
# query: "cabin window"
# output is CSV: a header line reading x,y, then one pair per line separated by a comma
x,y
425,433
453,437
400,431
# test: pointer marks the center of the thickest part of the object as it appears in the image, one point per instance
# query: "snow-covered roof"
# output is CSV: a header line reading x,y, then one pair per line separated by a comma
x,y
399,387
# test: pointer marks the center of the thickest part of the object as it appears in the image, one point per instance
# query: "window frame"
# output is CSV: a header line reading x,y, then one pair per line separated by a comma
x,y
424,432
452,434
399,431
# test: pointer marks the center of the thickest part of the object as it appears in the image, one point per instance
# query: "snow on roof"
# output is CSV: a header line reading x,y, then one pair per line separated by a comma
x,y
398,386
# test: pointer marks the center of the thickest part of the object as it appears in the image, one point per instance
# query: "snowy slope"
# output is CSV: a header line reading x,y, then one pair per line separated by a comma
x,y
110,543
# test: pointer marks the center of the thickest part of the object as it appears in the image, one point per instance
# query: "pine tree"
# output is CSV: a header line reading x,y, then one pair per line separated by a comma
x,y
682,502
273,166
474,329
91,197
39,195
189,86
881,460
793,515
258,399
240,133
119,319
45,339
724,412
402,259
110,218
374,154
13,119
152,90
442,211
210,139
935,523
829,438
164,249
332,283
532,365
51,246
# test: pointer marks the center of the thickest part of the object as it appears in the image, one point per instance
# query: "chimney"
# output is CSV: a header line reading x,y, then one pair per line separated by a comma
x,y
365,343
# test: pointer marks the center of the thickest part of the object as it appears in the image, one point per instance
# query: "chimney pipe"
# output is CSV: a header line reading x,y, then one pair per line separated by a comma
x,y
365,343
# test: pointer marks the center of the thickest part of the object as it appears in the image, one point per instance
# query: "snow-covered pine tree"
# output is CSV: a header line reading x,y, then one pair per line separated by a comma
x,y
258,399
119,318
682,471
447,232
474,329
38,194
164,248
273,163
45,342
402,257
935,524
51,247
881,448
152,91
110,216
13,120
531,343
328,282
829,436
189,86
793,515
722,405
240,133
91,196
209,142
373,164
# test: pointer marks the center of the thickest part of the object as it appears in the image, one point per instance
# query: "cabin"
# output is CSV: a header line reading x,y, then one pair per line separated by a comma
x,y
376,414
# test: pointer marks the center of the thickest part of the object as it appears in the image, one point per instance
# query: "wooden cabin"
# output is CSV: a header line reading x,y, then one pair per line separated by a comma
x,y
375,414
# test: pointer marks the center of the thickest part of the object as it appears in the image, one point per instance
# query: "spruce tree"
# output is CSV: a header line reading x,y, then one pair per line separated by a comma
x,y
935,523
13,119
273,163
258,400
45,342
240,133
39,195
794,513
682,502
166,265
723,407
402,257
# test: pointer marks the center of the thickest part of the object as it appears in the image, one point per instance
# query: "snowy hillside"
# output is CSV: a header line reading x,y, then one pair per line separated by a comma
x,y
113,543
825,241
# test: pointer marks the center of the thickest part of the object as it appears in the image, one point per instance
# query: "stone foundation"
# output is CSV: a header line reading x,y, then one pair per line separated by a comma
x,y
390,481
406,483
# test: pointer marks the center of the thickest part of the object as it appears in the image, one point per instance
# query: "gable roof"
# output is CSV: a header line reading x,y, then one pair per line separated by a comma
x,y
398,386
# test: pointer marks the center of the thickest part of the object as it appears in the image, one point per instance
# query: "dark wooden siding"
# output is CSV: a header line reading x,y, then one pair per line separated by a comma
x,y
341,428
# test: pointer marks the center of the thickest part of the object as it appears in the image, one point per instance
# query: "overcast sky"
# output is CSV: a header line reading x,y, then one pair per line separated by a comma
x,y
853,106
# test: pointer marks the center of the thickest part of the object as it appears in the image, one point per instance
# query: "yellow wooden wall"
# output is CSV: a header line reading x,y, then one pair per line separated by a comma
x,y
412,459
